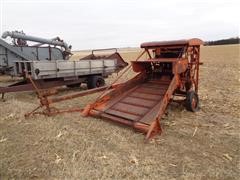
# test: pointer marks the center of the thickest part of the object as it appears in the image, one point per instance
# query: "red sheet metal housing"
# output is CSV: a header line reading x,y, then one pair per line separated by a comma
x,y
189,42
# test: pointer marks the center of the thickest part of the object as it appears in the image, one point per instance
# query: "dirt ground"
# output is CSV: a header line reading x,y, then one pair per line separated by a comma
x,y
202,145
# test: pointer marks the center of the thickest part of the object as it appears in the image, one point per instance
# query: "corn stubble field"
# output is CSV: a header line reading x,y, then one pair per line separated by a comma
x,y
202,145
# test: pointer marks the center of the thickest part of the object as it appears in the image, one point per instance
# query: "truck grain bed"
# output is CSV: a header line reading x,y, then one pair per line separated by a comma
x,y
61,68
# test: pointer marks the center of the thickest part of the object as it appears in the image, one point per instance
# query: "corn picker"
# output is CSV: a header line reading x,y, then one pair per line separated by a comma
x,y
171,69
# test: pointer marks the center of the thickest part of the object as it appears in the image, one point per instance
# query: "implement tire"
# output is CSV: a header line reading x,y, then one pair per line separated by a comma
x,y
192,101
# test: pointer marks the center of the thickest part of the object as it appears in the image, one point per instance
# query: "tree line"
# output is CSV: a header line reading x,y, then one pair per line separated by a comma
x,y
234,40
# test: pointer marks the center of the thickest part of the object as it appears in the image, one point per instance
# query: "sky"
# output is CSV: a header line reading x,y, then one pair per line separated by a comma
x,y
89,24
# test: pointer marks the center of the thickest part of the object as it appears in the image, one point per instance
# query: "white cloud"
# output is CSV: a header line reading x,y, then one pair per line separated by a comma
x,y
107,23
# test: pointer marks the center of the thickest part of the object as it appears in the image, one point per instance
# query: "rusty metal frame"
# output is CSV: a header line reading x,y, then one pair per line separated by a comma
x,y
155,127
46,100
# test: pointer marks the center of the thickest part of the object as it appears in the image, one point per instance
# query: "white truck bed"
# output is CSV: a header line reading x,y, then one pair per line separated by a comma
x,y
65,68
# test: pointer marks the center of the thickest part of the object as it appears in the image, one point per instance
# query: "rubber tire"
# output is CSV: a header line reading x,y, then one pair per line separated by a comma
x,y
73,85
191,96
95,82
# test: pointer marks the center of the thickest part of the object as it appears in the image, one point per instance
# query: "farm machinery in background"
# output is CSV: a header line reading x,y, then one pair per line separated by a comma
x,y
43,49
47,63
171,70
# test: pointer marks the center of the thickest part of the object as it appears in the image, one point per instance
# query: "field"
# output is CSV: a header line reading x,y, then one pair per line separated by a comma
x,y
202,145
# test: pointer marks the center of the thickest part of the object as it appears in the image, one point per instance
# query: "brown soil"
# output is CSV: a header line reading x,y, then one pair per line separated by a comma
x,y
202,145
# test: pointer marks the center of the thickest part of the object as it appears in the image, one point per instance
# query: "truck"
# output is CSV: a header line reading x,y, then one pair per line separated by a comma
x,y
48,63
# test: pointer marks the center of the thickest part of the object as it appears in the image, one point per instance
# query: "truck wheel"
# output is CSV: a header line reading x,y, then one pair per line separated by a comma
x,y
74,85
192,101
95,82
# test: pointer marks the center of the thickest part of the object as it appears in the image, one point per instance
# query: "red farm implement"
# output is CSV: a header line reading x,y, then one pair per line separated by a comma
x,y
171,69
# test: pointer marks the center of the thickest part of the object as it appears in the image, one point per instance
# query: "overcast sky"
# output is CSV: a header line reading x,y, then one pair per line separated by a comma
x,y
88,24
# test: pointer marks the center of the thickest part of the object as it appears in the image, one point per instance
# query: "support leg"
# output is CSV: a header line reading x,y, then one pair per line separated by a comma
x,y
32,112
154,129
3,97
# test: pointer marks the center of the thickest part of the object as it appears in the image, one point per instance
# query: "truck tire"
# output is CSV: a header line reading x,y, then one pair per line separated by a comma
x,y
192,101
95,82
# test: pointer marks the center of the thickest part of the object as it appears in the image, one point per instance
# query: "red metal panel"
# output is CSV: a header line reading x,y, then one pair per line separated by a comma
x,y
127,116
136,110
155,86
191,42
151,91
162,82
139,102
145,96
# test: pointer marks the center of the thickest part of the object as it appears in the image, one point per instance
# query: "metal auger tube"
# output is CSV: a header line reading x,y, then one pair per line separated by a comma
x,y
55,41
